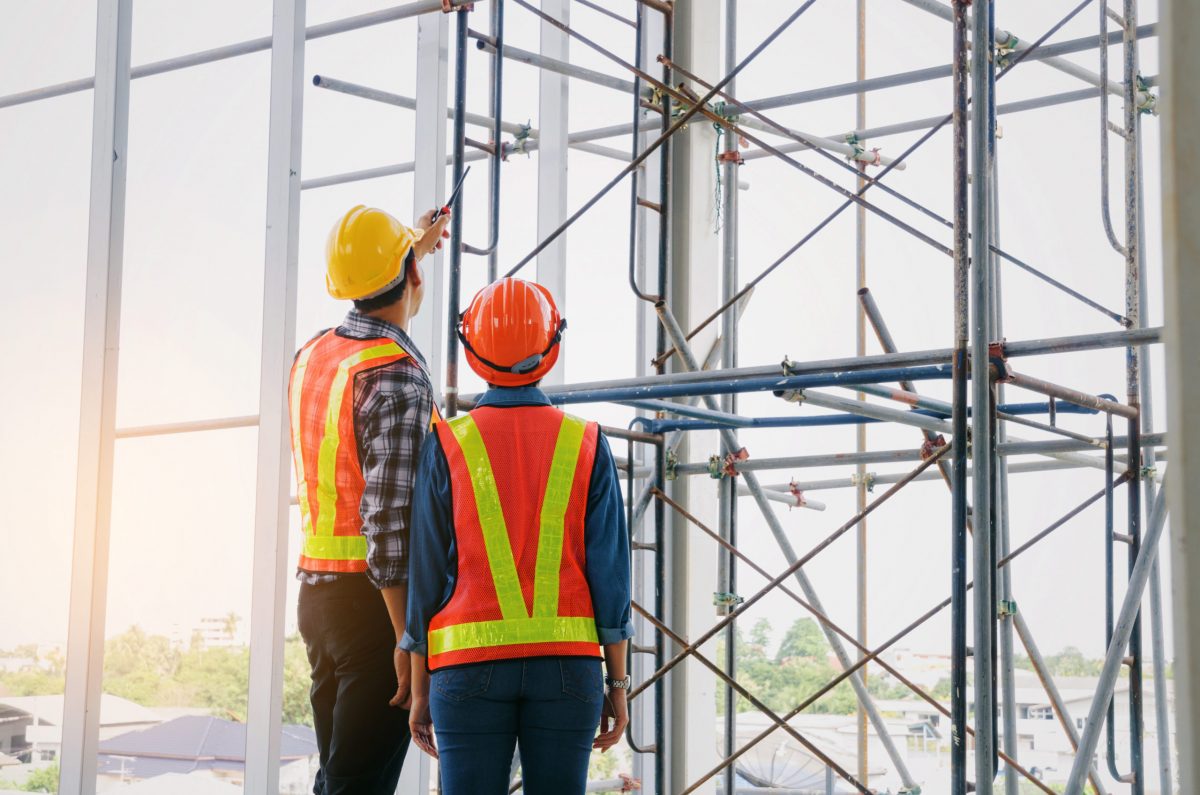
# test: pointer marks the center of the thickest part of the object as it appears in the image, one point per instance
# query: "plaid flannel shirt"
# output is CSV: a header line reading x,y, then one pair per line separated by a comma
x,y
392,407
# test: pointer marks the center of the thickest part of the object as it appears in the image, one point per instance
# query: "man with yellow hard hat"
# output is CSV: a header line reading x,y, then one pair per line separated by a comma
x,y
361,403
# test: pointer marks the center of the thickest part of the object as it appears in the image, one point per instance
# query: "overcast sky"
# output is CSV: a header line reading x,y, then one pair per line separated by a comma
x,y
192,289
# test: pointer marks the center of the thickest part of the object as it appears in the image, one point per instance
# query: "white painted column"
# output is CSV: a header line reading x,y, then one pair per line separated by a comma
x,y
695,292
268,595
552,166
429,191
1181,259
97,412
429,181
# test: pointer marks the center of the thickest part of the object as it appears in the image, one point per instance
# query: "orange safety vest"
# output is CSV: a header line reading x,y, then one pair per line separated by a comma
x,y
329,475
519,481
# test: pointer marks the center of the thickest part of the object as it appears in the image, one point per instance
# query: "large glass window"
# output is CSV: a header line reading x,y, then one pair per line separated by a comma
x,y
43,229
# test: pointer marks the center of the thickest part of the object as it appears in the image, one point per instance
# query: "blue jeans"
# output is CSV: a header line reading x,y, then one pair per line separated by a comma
x,y
549,706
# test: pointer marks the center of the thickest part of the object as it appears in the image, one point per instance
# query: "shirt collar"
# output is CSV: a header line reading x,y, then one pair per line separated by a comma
x,y
364,327
505,396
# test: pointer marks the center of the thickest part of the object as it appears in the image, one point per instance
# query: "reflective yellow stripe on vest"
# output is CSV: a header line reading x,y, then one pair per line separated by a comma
x,y
332,439
297,450
517,626
554,511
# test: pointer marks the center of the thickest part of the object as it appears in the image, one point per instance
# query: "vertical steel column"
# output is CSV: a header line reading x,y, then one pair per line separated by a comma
x,y
1007,673
429,174
694,262
553,95
727,493
1133,389
1162,721
860,348
97,408
646,713
496,108
1180,59
982,132
274,474
959,508
456,220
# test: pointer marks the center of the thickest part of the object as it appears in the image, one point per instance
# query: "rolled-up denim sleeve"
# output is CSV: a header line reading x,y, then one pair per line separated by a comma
x,y
431,565
606,545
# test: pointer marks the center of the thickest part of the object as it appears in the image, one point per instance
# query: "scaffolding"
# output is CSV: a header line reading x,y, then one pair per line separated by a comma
x,y
965,442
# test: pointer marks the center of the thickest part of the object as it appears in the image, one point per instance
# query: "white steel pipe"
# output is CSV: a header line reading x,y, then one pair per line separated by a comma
x,y
234,50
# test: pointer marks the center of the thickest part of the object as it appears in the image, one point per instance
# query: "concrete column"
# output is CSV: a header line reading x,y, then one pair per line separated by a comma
x,y
1181,261
694,293
552,165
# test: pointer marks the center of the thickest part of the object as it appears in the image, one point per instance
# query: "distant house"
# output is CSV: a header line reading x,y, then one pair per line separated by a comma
x,y
205,746
31,726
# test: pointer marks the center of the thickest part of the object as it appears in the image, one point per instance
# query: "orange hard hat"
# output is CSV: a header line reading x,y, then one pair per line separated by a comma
x,y
511,332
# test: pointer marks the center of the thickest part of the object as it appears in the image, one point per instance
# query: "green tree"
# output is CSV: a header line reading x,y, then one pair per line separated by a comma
x,y
803,639
43,779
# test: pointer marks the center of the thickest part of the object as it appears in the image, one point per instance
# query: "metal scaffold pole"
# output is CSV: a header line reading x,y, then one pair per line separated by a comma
x,y
984,560
959,508
1133,386
860,348
727,504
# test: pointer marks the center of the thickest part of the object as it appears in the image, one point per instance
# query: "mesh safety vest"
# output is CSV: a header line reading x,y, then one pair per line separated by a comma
x,y
329,479
519,479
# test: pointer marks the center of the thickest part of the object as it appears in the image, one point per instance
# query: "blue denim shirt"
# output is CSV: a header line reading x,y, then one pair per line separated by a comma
x,y
433,560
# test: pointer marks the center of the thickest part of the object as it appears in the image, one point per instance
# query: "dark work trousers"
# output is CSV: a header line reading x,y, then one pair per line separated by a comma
x,y
362,741
549,707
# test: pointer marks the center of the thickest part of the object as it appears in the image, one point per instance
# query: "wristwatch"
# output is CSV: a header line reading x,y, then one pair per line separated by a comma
x,y
619,684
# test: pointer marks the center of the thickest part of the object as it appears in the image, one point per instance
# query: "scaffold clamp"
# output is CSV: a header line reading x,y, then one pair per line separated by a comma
x,y
727,599
798,493
731,156
865,479
791,395
629,783
672,461
448,7
1149,473
519,142
998,358
859,153
931,446
1005,608
719,467
1005,50
1149,102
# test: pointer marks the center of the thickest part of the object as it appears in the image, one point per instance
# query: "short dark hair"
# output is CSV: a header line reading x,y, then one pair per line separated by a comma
x,y
391,296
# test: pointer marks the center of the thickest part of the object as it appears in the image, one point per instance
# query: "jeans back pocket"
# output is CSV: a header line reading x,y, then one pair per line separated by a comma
x,y
463,683
581,678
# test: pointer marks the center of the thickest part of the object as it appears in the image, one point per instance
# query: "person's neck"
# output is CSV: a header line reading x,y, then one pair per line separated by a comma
x,y
397,314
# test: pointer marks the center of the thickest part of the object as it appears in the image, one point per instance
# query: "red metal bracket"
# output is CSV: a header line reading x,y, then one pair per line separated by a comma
x,y
448,7
931,446
731,461
731,156
798,494
998,358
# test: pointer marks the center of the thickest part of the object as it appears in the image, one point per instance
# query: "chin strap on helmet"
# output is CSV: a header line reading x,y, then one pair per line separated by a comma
x,y
526,365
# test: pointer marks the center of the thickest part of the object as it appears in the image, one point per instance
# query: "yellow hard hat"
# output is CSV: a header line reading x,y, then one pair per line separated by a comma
x,y
365,252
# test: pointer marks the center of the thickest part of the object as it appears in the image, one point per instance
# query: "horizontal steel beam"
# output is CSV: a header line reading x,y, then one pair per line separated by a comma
x,y
882,131
485,43
189,426
839,369
234,50
931,73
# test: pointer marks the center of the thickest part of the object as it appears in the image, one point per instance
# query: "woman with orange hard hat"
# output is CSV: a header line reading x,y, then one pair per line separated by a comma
x,y
518,570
